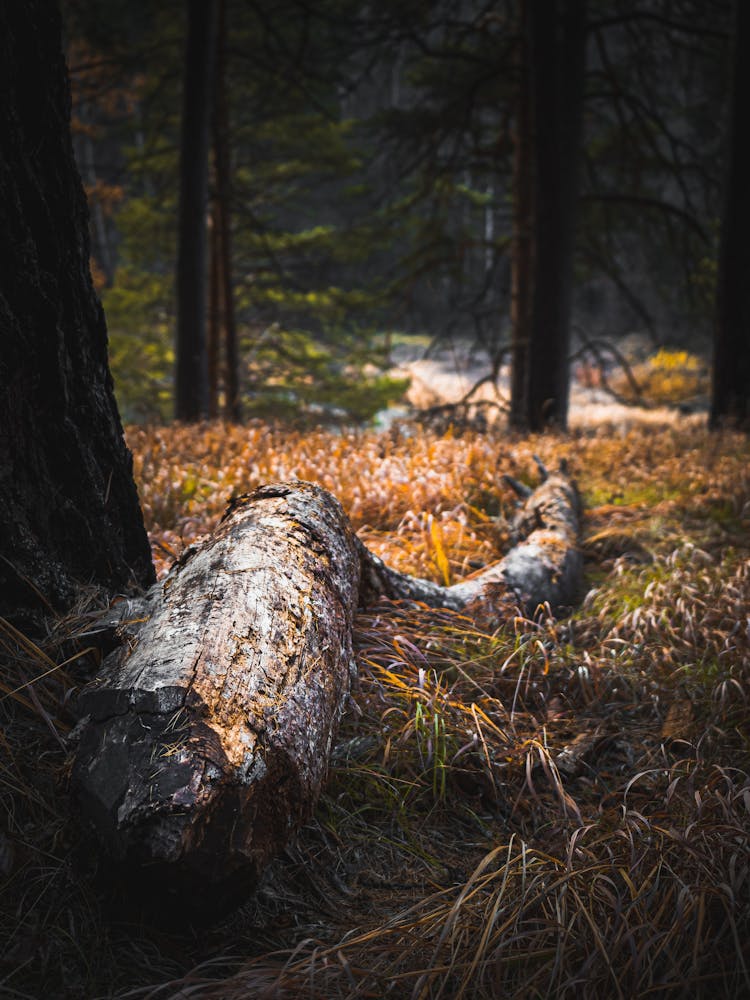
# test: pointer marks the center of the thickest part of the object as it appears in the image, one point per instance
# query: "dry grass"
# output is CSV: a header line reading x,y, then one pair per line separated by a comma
x,y
554,809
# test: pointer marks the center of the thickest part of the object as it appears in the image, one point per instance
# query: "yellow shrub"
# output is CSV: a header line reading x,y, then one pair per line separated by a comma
x,y
667,377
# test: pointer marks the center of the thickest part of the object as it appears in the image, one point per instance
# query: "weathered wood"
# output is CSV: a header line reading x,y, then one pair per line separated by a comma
x,y
205,741
543,567
207,736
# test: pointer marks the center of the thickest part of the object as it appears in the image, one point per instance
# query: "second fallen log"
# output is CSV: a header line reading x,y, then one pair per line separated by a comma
x,y
544,566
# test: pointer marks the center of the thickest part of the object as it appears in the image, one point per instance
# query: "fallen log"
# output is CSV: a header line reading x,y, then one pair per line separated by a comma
x,y
543,567
206,738
204,742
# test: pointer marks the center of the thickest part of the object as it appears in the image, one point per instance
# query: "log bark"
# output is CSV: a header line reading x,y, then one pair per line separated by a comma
x,y
543,567
205,741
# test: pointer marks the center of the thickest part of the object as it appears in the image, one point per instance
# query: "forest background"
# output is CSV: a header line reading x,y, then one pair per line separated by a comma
x,y
393,176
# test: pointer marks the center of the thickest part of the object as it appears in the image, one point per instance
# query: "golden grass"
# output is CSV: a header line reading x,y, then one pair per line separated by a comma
x,y
667,377
551,809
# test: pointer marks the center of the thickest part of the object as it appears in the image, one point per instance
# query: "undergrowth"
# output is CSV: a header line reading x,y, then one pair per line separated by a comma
x,y
668,377
550,809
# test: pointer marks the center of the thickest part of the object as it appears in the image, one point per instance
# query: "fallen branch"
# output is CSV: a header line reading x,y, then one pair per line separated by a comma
x,y
544,566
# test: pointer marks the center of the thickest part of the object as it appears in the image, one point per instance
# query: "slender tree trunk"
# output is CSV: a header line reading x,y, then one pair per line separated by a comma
x,y
191,389
233,410
521,263
214,314
730,397
69,511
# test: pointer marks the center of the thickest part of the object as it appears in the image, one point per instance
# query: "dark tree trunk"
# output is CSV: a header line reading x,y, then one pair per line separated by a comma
x,y
730,397
233,410
556,39
191,388
205,739
521,258
69,509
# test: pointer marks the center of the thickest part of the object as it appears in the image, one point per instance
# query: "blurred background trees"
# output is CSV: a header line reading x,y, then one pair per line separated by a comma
x,y
384,174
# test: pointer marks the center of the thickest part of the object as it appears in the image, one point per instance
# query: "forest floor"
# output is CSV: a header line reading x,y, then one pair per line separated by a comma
x,y
551,809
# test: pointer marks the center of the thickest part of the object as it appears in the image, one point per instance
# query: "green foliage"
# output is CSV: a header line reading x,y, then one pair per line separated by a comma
x,y
141,354
295,377
374,190
141,366
138,307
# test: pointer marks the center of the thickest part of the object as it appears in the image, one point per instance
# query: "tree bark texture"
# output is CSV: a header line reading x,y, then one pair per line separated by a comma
x,y
544,567
70,510
209,732
730,395
205,741
191,383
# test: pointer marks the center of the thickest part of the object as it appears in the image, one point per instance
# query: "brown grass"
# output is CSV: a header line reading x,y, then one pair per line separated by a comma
x,y
553,809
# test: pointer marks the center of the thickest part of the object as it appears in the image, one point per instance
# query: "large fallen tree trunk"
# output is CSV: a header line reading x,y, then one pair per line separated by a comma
x,y
205,740
209,729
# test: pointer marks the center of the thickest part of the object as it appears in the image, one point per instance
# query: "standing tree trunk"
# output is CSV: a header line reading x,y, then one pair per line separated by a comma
x,y
730,396
214,315
191,389
233,409
555,39
69,509
521,257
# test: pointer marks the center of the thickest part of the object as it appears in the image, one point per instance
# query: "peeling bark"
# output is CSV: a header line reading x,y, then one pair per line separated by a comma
x,y
205,741
207,736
